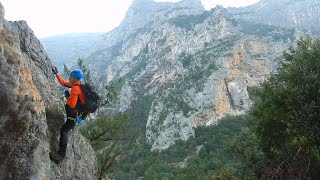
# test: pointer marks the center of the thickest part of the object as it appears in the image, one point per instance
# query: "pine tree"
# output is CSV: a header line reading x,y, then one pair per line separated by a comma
x,y
66,71
86,72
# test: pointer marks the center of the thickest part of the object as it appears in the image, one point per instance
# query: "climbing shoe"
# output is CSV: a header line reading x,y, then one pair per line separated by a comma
x,y
55,157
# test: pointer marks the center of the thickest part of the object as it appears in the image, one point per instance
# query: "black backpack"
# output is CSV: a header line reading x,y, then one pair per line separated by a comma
x,y
92,98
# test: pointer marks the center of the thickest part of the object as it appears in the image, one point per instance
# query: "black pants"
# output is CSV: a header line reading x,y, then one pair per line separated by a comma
x,y
67,126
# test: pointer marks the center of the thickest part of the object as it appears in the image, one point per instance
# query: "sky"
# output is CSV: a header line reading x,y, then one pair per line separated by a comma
x,y
55,17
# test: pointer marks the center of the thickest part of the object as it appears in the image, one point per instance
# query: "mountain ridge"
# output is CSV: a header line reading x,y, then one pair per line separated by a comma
x,y
302,14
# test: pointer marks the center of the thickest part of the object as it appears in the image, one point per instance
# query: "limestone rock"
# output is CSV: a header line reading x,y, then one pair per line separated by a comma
x,y
31,114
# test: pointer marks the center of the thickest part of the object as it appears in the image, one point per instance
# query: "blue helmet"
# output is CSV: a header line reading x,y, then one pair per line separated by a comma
x,y
77,73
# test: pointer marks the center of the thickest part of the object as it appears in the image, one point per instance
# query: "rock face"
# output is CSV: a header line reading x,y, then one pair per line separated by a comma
x,y
195,67
143,13
177,66
30,113
302,14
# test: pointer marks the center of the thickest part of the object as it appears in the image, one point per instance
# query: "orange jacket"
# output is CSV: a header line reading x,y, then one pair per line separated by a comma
x,y
75,93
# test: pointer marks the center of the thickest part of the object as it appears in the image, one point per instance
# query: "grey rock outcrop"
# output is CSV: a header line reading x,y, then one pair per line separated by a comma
x,y
31,114
301,14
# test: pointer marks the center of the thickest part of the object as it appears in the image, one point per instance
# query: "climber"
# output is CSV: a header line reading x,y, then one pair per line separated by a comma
x,y
75,98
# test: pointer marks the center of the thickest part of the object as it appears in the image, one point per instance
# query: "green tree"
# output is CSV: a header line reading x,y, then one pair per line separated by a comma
x,y
66,71
111,95
86,71
285,116
224,173
111,138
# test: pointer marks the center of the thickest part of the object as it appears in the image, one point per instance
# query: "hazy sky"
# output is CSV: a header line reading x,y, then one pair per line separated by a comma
x,y
52,17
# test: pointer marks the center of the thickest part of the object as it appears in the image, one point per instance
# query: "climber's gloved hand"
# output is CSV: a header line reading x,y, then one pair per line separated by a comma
x,y
66,94
79,119
54,70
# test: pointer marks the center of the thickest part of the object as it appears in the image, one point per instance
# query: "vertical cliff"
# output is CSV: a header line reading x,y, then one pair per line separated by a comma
x,y
31,114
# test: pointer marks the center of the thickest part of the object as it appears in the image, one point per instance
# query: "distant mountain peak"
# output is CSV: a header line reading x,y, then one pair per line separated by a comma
x,y
143,12
194,3
300,14
141,4
151,7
